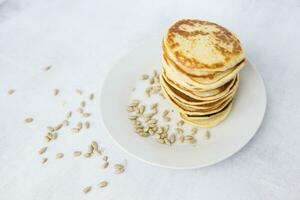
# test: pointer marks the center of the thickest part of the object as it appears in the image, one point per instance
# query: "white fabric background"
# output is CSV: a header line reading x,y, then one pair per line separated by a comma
x,y
81,39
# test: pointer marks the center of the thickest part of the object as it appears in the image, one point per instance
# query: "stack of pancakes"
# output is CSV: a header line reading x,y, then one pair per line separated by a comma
x,y
201,61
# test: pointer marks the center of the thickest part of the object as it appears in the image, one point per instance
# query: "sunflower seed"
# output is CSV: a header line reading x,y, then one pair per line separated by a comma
x,y
180,123
86,125
28,120
145,77
130,109
181,138
133,117
103,184
65,123
148,91
118,166
44,160
157,136
154,111
172,138
164,135
59,155
154,105
86,114
79,125
76,153
206,134
80,110
119,171
105,158
179,130
142,109
91,97
162,95
54,136
162,141
10,91
166,128
155,73
55,92
167,141
42,150
153,121
165,113
167,119
57,127
104,165
79,92
75,130
188,137
94,144
69,114
82,104
151,81
87,155
193,141
194,131
47,68
87,189
51,129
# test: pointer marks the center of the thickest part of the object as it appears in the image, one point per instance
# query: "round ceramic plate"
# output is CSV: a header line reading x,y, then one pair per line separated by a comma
x,y
124,83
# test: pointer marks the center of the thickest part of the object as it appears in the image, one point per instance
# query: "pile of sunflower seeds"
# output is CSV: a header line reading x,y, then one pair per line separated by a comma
x,y
145,119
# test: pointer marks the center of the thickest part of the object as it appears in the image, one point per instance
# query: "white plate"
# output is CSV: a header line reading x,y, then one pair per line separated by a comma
x,y
226,139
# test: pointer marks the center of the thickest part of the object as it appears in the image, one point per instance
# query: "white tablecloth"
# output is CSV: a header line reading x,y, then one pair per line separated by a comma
x,y
81,39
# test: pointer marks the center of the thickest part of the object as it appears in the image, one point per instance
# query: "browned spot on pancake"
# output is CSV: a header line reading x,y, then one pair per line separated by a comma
x,y
222,36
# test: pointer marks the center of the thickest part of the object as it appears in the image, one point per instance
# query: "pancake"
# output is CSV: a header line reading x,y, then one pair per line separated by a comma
x,y
191,99
197,46
207,121
201,62
198,111
190,82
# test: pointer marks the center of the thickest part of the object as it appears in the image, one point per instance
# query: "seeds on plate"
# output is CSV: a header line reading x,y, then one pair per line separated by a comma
x,y
86,125
65,123
28,120
91,97
69,114
47,68
87,189
79,92
105,158
103,184
87,155
86,114
59,155
82,104
104,165
75,130
76,153
79,125
55,92
181,138
10,91
206,134
80,110
50,128
119,168
180,123
57,127
42,150
179,130
151,81
194,131
44,160
145,77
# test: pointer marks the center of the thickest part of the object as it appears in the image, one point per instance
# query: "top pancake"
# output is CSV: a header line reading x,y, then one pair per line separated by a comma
x,y
199,46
